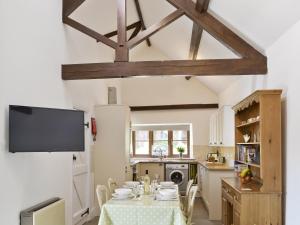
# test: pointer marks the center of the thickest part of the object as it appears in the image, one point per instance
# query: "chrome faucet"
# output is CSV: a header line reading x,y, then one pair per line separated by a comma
x,y
160,152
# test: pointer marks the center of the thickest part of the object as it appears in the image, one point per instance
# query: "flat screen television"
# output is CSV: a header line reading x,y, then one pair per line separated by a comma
x,y
35,129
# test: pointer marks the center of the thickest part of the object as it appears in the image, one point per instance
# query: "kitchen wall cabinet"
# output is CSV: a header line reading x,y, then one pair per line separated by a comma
x,y
221,132
209,183
213,131
112,147
153,169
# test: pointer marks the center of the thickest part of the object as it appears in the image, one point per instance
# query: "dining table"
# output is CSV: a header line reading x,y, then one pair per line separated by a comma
x,y
142,210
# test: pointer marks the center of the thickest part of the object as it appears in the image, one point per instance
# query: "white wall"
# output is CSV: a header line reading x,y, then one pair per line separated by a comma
x,y
284,74
34,43
168,91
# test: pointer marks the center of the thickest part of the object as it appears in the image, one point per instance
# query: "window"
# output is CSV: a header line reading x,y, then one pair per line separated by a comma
x,y
160,145
154,143
141,143
180,139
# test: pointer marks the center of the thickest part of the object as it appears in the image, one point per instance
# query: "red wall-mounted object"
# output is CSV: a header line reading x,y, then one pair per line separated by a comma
x,y
94,128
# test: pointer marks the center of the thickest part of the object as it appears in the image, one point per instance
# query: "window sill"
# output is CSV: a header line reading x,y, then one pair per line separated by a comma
x,y
137,160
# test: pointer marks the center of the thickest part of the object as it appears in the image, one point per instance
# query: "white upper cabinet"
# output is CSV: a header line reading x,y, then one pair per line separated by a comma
x,y
222,128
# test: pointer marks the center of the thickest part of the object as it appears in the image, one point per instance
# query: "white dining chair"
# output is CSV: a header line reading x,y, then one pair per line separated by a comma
x,y
191,203
184,199
102,195
188,187
112,185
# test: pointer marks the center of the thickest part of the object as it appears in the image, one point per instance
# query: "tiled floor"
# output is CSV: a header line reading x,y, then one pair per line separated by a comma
x,y
200,216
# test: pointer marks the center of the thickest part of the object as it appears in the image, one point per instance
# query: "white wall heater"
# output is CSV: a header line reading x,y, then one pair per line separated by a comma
x,y
50,212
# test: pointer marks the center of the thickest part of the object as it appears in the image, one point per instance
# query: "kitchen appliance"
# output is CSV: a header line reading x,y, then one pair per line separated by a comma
x,y
179,174
221,159
212,157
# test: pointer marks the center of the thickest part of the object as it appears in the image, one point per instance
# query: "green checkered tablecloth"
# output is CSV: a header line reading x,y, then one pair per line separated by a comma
x,y
145,211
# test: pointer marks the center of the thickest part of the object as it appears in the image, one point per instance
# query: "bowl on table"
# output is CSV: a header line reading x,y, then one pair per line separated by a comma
x,y
166,184
131,184
123,191
168,193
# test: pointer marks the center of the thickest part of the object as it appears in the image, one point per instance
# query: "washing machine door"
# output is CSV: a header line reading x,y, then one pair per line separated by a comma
x,y
177,177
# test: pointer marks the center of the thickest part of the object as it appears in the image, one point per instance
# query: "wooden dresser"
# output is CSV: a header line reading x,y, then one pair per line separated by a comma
x,y
259,201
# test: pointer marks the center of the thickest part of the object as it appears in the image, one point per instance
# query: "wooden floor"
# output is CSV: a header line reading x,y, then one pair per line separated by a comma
x,y
200,216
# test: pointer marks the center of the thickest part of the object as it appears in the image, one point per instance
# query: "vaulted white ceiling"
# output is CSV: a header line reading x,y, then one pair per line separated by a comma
x,y
260,22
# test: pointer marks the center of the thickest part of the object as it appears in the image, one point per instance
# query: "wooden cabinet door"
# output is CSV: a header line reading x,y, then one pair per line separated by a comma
x,y
220,119
210,131
213,130
224,211
153,169
236,218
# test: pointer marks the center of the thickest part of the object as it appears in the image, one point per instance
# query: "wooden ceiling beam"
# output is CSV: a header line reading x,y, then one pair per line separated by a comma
x,y
174,107
211,67
129,27
154,28
201,7
90,32
69,6
141,18
217,29
136,31
251,63
122,52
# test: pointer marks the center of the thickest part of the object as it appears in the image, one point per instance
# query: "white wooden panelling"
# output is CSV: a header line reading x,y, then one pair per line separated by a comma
x,y
81,181
210,182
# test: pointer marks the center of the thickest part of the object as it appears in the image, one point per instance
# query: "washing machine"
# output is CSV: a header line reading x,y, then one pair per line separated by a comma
x,y
179,174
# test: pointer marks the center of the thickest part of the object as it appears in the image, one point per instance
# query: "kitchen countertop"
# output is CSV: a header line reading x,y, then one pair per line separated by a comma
x,y
249,188
157,160
216,166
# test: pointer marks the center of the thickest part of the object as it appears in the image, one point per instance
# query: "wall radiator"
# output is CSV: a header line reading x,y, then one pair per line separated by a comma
x,y
50,212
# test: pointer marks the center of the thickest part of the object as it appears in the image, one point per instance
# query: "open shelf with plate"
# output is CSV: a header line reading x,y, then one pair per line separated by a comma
x,y
247,124
257,147
258,137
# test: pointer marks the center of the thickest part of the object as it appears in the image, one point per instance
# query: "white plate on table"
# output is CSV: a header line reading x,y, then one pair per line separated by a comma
x,y
168,193
160,197
123,191
167,187
116,196
166,184
131,184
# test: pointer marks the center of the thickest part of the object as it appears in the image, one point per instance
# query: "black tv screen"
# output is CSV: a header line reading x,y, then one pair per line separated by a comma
x,y
34,129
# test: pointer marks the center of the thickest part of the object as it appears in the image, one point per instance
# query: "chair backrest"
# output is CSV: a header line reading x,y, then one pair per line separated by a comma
x,y
102,195
188,187
191,202
112,185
